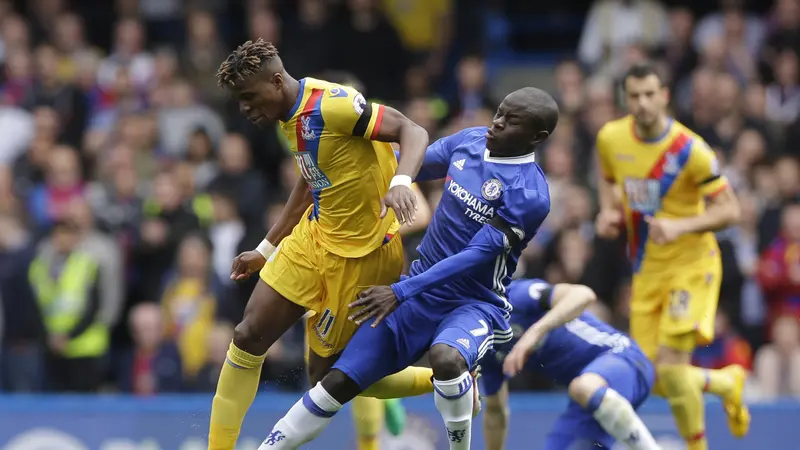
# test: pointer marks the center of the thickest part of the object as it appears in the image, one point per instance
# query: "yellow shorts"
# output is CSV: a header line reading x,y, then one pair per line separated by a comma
x,y
325,283
676,307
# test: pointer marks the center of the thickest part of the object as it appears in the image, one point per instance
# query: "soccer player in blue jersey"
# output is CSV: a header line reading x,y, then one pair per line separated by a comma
x,y
607,374
453,303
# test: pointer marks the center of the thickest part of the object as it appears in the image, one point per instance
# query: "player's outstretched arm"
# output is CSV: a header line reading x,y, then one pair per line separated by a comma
x,y
495,419
393,126
563,302
251,261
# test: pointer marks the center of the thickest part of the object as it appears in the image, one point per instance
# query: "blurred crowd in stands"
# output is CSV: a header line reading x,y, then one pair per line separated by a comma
x,y
128,180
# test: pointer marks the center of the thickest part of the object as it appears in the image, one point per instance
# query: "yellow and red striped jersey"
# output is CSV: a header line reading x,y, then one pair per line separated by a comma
x,y
669,176
331,131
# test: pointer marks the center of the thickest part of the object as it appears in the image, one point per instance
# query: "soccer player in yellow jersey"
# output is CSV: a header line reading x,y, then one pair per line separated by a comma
x,y
674,198
336,237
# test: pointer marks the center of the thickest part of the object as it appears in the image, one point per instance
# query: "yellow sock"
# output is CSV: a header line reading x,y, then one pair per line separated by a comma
x,y
368,418
236,389
685,397
717,382
409,382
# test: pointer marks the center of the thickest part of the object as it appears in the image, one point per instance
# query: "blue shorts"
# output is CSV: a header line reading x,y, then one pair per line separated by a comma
x,y
413,328
632,376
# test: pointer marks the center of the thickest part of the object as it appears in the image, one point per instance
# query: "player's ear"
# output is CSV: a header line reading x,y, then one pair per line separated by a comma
x,y
277,80
539,137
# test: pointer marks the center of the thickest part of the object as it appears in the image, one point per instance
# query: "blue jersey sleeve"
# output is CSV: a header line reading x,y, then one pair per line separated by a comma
x,y
524,210
437,157
484,246
492,376
521,214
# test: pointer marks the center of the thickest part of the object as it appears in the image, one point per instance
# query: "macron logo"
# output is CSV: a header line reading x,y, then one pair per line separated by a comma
x,y
460,164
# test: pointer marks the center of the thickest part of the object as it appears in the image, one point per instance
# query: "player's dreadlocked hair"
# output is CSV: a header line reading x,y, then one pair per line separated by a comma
x,y
245,61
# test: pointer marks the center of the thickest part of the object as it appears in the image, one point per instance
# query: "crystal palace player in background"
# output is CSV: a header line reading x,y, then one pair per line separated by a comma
x,y
453,303
674,198
336,235
607,375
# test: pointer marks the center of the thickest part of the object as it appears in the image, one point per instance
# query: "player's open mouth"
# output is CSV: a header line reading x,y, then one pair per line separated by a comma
x,y
256,119
489,134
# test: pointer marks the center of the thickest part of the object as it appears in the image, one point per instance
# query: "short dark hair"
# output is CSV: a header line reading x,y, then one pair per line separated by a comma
x,y
543,109
641,70
245,61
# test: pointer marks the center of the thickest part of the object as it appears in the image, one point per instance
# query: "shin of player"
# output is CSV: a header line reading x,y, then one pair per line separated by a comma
x,y
612,411
453,393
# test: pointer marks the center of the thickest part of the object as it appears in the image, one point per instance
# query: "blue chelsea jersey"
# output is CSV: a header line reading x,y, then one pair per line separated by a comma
x,y
565,351
479,187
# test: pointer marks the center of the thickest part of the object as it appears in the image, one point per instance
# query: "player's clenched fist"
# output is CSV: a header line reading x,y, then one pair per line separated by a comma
x,y
608,222
403,201
247,263
663,231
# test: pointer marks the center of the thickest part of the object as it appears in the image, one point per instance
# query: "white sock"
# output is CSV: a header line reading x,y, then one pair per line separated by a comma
x,y
616,415
304,422
453,399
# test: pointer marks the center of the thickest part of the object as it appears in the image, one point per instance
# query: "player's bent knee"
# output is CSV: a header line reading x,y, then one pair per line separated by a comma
x,y
446,362
582,388
340,386
246,336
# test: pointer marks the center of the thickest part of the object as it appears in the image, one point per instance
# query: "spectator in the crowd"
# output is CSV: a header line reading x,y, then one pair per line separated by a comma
x,y
15,33
726,349
425,28
74,50
779,268
236,174
777,365
19,76
49,201
308,47
67,100
785,33
612,25
203,52
66,284
200,154
106,252
366,31
785,176
22,338
226,232
678,52
569,78
181,116
190,302
166,221
17,129
744,240
473,93
154,364
129,54
731,22
783,96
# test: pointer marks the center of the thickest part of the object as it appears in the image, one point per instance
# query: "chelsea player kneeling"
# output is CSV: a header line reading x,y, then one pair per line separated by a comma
x,y
608,376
